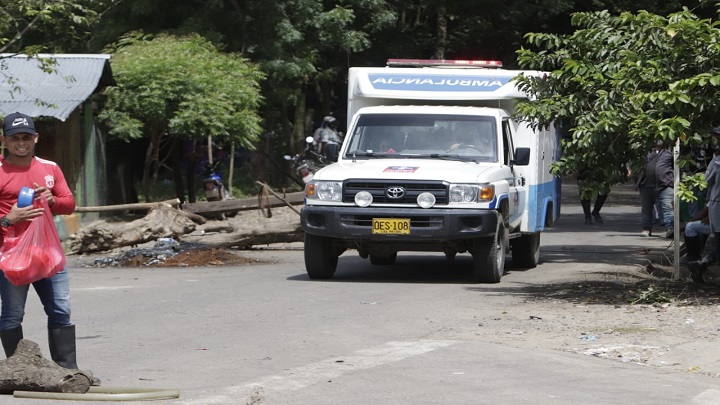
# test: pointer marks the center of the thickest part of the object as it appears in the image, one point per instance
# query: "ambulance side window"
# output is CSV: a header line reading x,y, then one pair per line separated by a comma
x,y
507,142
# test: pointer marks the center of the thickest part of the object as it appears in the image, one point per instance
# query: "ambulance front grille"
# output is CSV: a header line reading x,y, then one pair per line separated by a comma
x,y
409,190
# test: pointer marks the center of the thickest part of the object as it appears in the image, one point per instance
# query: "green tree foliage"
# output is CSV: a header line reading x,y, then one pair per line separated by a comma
x,y
33,26
30,27
305,47
171,89
486,29
302,45
618,83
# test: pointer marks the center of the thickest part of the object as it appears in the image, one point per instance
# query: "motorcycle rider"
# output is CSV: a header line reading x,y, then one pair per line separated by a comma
x,y
330,139
317,135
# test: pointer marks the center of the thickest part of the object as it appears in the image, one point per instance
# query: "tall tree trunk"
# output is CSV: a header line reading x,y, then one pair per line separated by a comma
x,y
324,94
192,196
152,164
232,167
177,162
147,168
156,161
441,32
298,133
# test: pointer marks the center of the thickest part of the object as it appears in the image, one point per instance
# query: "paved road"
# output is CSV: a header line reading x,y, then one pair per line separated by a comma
x,y
266,334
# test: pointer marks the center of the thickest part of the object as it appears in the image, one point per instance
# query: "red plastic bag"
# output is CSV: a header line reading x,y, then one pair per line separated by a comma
x,y
32,250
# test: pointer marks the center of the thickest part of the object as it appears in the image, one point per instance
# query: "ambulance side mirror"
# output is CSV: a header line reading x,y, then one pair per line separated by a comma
x,y
522,157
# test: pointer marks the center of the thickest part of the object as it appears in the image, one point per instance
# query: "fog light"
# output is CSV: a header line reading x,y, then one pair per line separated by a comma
x,y
426,200
363,199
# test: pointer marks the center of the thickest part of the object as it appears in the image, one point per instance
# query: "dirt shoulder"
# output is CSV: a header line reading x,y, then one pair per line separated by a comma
x,y
602,290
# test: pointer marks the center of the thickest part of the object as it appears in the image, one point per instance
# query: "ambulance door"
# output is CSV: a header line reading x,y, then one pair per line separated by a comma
x,y
516,182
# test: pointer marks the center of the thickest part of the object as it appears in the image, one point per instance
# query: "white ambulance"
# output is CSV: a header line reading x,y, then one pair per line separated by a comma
x,y
433,162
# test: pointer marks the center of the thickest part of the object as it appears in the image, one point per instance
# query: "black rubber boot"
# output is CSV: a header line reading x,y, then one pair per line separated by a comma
x,y
10,339
63,350
62,346
697,268
586,207
692,245
599,201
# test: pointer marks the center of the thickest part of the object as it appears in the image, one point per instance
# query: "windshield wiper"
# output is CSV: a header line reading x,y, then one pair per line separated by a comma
x,y
452,157
374,154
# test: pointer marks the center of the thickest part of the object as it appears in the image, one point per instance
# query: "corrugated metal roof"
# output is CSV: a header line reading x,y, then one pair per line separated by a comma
x,y
23,84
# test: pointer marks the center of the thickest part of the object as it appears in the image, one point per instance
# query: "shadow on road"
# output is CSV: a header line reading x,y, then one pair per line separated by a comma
x,y
612,289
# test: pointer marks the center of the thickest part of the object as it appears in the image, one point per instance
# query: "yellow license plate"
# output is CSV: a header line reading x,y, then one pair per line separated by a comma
x,y
391,226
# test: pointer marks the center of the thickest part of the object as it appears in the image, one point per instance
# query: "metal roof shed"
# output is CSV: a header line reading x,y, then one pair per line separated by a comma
x,y
26,87
64,93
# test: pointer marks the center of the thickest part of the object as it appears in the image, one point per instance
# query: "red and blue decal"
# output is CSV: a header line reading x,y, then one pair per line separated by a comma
x,y
400,169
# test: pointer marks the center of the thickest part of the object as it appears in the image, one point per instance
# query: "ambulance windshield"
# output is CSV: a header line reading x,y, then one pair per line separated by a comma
x,y
424,135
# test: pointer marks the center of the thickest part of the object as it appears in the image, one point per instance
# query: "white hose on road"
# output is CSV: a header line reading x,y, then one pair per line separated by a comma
x,y
105,394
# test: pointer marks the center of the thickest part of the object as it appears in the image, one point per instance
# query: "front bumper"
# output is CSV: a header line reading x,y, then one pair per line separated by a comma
x,y
354,223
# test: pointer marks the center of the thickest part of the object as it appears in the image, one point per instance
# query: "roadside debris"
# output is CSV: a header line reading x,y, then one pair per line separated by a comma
x,y
163,249
246,229
168,252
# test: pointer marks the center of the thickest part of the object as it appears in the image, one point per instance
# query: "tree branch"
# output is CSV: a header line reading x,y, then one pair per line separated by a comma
x,y
20,34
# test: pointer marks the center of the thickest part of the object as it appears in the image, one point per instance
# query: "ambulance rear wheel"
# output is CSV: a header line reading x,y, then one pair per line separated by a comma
x,y
526,251
383,260
320,257
489,257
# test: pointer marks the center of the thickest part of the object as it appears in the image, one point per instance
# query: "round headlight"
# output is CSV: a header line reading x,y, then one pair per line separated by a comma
x,y
426,200
363,199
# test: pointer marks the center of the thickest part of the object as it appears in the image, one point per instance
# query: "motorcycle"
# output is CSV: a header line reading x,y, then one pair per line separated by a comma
x,y
212,184
307,162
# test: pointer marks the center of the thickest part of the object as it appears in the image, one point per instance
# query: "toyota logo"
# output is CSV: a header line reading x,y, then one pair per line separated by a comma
x,y
395,192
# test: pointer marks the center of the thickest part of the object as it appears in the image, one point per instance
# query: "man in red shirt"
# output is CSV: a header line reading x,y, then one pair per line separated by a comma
x,y
21,168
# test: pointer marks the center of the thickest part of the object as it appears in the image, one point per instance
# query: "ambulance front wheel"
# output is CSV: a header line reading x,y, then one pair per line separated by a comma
x,y
526,251
321,257
489,257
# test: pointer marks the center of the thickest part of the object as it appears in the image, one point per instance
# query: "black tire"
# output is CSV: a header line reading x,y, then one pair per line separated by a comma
x,y
489,257
320,257
383,260
526,251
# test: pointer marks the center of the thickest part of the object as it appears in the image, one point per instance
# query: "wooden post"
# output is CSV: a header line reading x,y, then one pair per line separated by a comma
x,y
210,159
232,167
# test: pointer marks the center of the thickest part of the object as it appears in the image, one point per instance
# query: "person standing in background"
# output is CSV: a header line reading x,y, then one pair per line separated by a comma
x,y
330,139
586,203
656,185
712,177
317,135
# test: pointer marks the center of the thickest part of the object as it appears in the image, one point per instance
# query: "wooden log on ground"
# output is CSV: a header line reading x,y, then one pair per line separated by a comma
x,y
125,207
246,229
242,240
28,370
250,228
161,222
231,206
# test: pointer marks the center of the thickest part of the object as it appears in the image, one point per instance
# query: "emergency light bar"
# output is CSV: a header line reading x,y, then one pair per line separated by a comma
x,y
444,62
